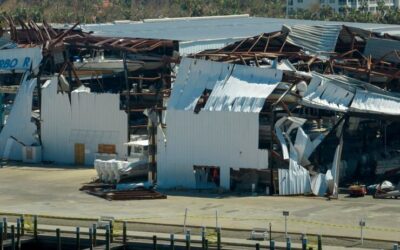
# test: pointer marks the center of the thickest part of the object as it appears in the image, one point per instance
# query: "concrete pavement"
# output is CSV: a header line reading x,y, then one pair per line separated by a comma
x,y
54,192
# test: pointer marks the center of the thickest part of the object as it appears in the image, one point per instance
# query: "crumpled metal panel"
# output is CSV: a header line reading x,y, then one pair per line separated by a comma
x,y
315,39
339,93
244,90
369,102
235,88
295,180
19,125
325,93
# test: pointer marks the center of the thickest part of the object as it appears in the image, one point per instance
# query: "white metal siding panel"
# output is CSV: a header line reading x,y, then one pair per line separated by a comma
x,y
369,102
325,94
223,139
19,123
244,89
90,118
217,135
234,87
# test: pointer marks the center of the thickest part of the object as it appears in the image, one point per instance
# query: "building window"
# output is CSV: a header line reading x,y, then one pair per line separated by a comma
x,y
290,2
331,1
300,1
321,1
342,2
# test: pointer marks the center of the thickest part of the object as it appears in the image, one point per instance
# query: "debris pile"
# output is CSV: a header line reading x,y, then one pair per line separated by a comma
x,y
116,192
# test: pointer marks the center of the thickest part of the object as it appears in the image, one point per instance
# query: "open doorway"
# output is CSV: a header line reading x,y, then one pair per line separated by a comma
x,y
207,177
250,180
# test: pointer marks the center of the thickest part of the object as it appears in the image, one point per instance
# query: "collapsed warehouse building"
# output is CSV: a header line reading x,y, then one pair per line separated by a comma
x,y
283,112
306,122
90,97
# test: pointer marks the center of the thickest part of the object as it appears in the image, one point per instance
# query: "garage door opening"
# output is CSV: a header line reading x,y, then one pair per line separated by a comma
x,y
207,177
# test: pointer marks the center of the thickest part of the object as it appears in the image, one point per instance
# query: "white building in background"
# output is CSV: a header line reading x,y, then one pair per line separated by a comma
x,y
213,124
338,5
78,128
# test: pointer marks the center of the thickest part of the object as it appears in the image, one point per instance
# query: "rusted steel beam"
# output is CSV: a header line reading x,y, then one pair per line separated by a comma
x,y
255,43
240,44
52,31
62,35
104,41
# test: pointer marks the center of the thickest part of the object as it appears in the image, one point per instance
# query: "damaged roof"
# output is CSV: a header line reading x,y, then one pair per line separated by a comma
x,y
195,29
315,39
233,88
345,94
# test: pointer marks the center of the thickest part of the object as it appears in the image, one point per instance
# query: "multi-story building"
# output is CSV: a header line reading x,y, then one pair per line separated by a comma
x,y
338,5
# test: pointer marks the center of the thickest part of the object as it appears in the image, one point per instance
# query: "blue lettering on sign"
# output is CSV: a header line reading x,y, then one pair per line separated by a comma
x,y
12,63
26,62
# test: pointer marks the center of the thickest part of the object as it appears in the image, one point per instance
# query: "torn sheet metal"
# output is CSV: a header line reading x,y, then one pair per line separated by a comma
x,y
319,184
314,39
19,130
305,146
385,49
369,102
234,88
336,167
204,73
20,60
340,93
295,180
244,90
282,132
324,93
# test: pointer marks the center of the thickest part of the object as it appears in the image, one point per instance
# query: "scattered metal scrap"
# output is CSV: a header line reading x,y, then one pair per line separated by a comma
x,y
387,190
109,192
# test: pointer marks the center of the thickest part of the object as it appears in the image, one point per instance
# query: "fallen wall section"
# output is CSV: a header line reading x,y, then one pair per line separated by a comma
x,y
19,130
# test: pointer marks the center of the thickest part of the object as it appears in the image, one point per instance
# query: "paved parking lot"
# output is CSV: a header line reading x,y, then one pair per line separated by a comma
x,y
55,191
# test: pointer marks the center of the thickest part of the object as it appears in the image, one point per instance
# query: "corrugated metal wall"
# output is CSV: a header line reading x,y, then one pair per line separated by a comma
x,y
223,139
90,119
